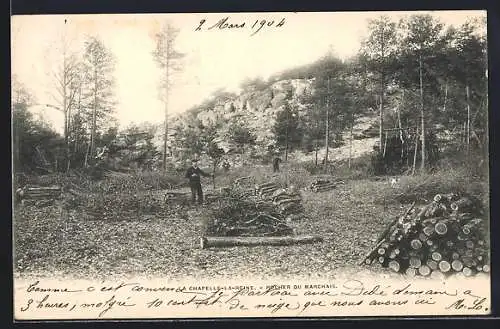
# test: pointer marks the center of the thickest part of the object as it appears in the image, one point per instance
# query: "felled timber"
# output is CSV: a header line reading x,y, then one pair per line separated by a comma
x,y
217,242
446,236
322,185
38,193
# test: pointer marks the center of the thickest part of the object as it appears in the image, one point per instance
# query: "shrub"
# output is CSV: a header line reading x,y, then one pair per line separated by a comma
x,y
424,187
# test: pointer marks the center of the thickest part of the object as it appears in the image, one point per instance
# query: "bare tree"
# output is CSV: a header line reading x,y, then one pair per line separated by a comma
x,y
98,88
168,59
66,77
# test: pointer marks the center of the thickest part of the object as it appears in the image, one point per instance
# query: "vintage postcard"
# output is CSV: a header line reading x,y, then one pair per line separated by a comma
x,y
278,164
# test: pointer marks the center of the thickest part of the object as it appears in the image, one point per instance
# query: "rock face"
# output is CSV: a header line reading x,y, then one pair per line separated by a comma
x,y
255,108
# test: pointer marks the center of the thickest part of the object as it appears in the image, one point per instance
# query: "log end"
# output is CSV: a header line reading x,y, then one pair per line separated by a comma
x,y
203,243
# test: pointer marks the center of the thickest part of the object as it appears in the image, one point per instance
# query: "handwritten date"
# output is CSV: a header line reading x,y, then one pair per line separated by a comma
x,y
254,26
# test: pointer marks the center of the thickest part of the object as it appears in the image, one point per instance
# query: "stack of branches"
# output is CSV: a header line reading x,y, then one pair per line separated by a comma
x,y
446,236
244,181
321,185
287,200
246,217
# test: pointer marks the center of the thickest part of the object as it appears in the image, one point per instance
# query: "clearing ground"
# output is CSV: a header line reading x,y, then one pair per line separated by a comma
x,y
50,242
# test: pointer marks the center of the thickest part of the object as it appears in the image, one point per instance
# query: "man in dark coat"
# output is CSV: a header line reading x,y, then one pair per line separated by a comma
x,y
276,164
193,174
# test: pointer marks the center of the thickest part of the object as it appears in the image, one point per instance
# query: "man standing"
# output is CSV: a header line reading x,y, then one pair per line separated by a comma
x,y
193,174
276,164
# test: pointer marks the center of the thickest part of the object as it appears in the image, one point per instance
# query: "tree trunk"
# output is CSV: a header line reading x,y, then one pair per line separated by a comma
x,y
415,153
207,242
468,118
286,135
316,152
401,126
422,165
381,118
65,113
350,141
327,128
86,161
385,144
165,136
445,96
94,121
213,174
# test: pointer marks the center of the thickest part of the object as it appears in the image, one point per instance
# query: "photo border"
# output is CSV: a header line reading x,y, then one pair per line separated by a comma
x,y
129,6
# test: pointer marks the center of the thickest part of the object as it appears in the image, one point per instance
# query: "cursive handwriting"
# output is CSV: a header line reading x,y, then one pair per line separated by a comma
x,y
35,287
227,23
276,299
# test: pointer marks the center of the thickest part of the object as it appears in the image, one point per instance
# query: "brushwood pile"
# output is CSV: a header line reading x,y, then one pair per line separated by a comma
x,y
444,237
264,211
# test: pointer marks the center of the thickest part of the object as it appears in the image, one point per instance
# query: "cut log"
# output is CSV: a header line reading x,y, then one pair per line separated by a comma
x,y
264,185
424,270
410,271
437,275
444,266
436,256
416,244
468,261
433,265
415,262
286,201
207,242
441,228
428,230
469,244
486,268
457,265
467,271
394,265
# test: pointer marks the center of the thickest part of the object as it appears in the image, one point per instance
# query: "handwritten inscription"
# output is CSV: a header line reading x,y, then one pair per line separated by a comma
x,y
228,23
111,300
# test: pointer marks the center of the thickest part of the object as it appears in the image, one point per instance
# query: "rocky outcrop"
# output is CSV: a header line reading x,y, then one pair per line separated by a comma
x,y
255,108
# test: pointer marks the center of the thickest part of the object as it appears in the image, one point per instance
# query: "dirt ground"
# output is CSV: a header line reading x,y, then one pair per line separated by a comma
x,y
49,242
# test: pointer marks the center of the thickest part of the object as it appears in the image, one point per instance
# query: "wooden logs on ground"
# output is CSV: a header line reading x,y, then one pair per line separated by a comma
x,y
321,185
287,201
242,181
209,242
38,194
438,238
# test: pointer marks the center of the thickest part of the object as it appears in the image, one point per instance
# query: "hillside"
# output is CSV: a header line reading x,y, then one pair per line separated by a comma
x,y
256,107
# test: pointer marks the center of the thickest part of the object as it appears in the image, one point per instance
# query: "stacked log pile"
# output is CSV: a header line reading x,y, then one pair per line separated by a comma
x,y
321,185
39,196
447,236
287,200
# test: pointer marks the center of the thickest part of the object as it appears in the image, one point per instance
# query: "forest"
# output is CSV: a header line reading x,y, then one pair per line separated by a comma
x,y
409,108
416,75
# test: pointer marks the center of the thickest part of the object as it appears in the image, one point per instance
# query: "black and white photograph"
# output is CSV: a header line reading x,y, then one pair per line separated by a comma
x,y
274,164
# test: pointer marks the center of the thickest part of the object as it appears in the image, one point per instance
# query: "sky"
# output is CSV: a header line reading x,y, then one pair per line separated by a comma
x,y
214,58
